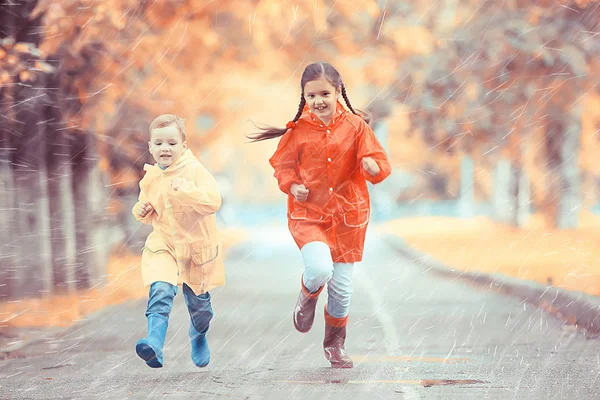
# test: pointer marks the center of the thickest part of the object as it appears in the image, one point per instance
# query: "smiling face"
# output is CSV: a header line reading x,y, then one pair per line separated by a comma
x,y
166,145
321,98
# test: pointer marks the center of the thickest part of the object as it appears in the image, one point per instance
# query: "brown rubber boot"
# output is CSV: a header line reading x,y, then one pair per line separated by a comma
x,y
304,313
335,337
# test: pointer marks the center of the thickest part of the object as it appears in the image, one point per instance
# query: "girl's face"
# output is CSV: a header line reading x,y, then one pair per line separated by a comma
x,y
321,98
166,145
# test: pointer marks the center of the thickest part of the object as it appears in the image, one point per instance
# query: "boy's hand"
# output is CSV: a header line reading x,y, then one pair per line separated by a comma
x,y
300,192
145,209
175,183
370,166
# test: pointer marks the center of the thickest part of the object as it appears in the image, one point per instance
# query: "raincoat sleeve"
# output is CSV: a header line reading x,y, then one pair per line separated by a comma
x,y
285,163
141,200
202,194
369,146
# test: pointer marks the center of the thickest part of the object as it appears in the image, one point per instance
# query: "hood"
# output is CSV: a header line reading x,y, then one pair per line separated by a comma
x,y
186,158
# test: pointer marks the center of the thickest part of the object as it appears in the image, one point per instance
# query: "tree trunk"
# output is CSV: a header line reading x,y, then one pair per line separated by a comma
x,y
511,197
7,199
7,208
466,203
33,269
562,147
523,197
80,185
61,213
101,245
569,203
90,224
503,200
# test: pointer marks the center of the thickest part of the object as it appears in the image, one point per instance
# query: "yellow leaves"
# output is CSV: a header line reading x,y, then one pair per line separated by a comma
x,y
211,40
349,8
472,91
533,16
12,60
27,76
4,77
44,67
381,69
22,47
410,40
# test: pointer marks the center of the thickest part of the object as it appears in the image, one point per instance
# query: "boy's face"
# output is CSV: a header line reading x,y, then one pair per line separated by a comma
x,y
166,145
321,98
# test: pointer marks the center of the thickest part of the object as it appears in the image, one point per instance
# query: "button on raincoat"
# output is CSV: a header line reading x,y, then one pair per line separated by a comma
x,y
328,161
185,245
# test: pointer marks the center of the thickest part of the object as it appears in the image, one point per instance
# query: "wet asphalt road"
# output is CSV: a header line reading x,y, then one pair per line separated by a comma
x,y
412,335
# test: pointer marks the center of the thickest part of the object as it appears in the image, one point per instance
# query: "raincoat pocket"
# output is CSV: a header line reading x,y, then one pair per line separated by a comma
x,y
201,256
357,218
299,214
155,244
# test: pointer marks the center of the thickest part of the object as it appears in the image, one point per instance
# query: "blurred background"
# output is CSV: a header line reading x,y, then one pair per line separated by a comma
x,y
489,112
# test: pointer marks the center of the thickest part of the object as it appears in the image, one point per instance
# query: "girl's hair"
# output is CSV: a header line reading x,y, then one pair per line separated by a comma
x,y
312,72
165,120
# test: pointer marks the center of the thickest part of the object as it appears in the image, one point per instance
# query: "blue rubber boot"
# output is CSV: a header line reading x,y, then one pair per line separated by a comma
x,y
201,313
160,304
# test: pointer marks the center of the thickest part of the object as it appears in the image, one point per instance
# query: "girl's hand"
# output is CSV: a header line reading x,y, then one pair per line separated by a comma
x,y
370,166
145,209
175,183
300,192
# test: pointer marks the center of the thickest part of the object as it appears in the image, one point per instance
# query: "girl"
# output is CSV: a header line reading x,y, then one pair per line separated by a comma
x,y
323,160
179,198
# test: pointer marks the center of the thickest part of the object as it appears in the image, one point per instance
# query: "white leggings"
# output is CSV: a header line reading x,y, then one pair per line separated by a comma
x,y
320,269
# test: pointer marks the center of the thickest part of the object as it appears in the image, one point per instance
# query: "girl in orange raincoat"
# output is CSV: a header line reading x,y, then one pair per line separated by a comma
x,y
323,161
179,197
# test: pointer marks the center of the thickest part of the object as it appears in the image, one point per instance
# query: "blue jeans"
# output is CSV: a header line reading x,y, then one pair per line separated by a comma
x,y
319,269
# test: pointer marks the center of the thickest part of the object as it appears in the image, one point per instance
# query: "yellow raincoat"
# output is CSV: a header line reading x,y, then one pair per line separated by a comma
x,y
185,245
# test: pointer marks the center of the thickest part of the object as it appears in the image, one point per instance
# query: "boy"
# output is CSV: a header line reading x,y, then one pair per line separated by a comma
x,y
179,198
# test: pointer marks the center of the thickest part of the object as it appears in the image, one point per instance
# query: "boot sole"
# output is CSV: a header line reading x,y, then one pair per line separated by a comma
x,y
147,353
202,364
339,364
342,365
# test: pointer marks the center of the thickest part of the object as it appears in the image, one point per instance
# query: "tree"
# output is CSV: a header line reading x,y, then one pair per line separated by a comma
x,y
489,93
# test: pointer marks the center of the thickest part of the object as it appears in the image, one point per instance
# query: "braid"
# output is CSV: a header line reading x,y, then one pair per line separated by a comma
x,y
345,96
360,113
270,132
300,108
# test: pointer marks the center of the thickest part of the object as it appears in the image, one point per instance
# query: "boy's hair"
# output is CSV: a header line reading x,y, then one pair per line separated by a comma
x,y
312,72
165,120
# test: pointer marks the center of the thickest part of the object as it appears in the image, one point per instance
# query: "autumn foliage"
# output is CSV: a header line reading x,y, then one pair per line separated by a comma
x,y
491,79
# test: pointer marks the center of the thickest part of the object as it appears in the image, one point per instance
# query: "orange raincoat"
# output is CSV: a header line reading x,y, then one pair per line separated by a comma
x,y
328,161
185,245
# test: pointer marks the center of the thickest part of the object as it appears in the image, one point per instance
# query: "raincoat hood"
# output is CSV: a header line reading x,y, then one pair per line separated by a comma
x,y
187,157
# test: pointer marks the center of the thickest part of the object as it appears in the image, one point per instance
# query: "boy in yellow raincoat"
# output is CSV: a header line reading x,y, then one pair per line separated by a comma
x,y
179,198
